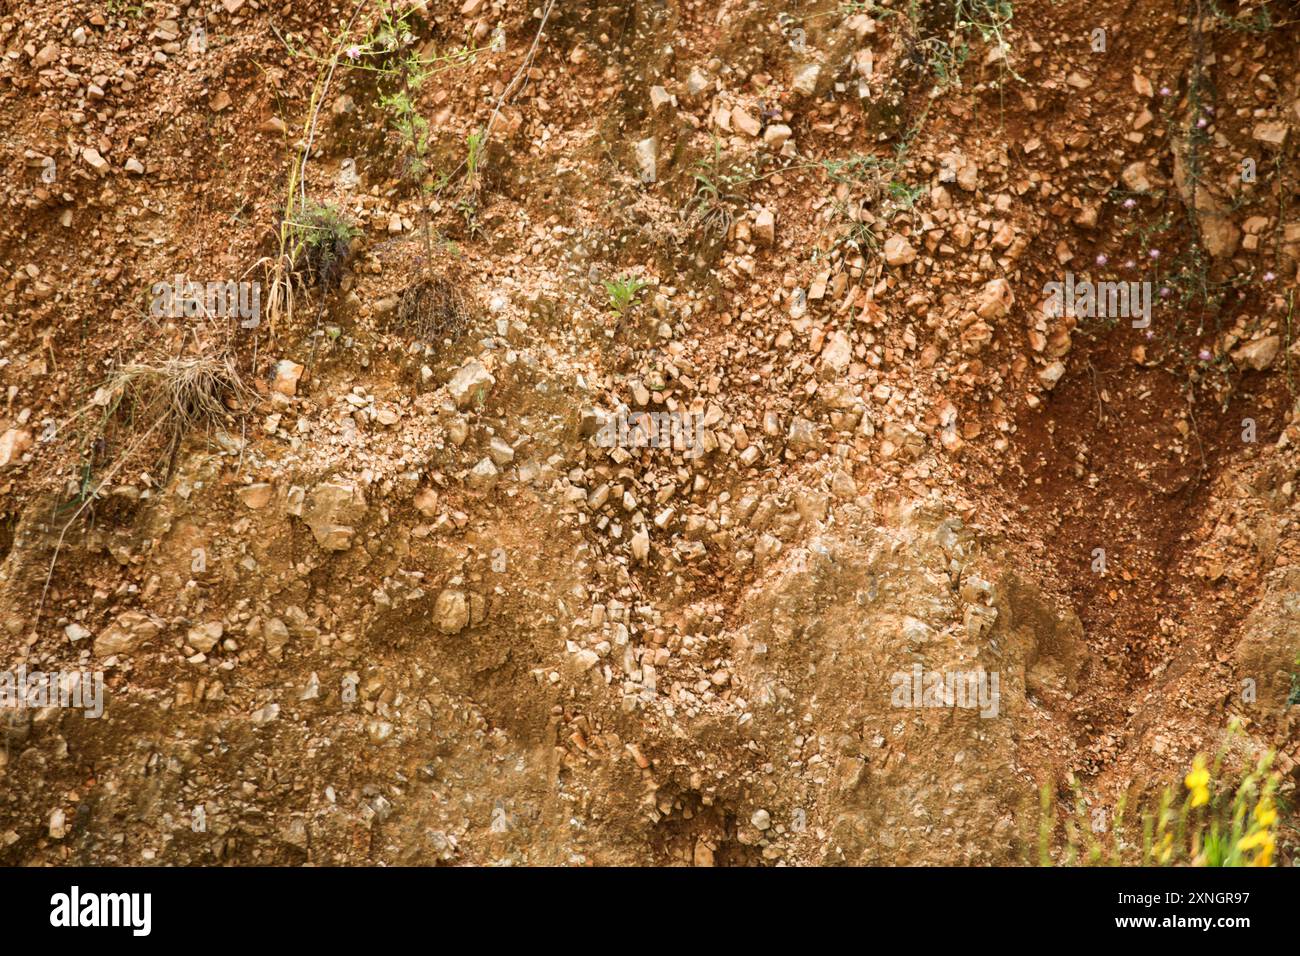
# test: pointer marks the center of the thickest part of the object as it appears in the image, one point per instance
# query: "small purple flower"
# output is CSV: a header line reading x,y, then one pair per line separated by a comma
x,y
354,52
1101,259
1166,292
1205,355
1130,264
1130,202
1154,253
1165,91
1202,123
1150,335
1269,277
1209,110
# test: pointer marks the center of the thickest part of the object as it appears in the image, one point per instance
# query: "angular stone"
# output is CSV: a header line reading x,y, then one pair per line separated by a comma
x,y
286,377
696,83
471,382
483,476
838,352
332,510
500,451
641,545
805,79
1259,354
647,159
802,435
205,637
426,502
744,122
843,486
95,161
1274,134
256,496
275,635
13,443
777,135
126,634
1135,178
1219,232
451,612
898,251
1051,375
995,300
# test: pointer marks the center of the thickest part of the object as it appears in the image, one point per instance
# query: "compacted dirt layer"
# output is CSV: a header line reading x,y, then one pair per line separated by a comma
x,y
369,556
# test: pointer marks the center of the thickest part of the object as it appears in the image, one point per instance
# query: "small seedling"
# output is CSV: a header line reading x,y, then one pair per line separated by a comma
x,y
622,293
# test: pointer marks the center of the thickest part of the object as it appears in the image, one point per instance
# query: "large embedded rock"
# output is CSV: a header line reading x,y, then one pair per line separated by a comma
x,y
471,382
127,634
333,510
451,612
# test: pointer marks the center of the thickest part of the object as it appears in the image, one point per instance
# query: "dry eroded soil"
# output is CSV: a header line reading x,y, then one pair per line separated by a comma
x,y
435,621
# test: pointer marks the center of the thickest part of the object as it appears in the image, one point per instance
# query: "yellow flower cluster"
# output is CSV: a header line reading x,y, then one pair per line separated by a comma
x,y
1198,781
1226,814
1250,839
1260,837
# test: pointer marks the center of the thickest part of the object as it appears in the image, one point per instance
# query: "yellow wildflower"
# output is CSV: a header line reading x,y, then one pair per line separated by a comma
x,y
1163,851
1260,840
1265,813
1198,782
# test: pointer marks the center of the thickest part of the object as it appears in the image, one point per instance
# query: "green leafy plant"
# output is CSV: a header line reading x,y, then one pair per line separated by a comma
x,y
903,197
712,207
468,203
1255,20
622,293
412,128
991,18
282,269
945,61
388,49
473,153
321,238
